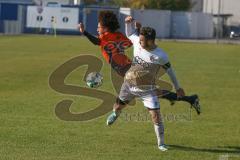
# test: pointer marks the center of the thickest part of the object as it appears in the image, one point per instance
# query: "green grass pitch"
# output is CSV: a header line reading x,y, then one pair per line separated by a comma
x,y
29,128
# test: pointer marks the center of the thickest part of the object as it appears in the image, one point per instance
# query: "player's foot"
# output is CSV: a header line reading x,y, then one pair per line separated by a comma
x,y
112,118
162,147
196,104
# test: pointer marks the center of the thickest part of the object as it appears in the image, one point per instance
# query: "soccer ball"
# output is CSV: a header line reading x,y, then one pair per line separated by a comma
x,y
94,79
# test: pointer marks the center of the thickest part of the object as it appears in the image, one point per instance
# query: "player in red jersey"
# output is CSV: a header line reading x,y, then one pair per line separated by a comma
x,y
111,42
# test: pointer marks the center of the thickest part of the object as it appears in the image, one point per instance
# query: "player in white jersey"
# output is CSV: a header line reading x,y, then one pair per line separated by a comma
x,y
161,58
139,81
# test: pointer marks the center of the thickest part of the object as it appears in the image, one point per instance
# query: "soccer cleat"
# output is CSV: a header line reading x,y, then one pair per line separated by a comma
x,y
162,147
195,104
112,118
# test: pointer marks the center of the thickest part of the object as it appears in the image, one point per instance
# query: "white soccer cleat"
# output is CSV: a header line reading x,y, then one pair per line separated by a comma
x,y
112,118
162,147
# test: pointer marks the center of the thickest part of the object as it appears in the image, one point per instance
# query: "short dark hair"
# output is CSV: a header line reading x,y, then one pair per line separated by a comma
x,y
148,32
109,20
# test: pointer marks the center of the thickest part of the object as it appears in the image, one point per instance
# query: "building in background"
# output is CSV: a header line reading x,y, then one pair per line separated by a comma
x,y
16,19
224,7
228,9
226,14
12,13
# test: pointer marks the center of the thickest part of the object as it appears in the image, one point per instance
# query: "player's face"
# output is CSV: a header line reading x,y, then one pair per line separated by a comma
x,y
146,44
101,29
142,41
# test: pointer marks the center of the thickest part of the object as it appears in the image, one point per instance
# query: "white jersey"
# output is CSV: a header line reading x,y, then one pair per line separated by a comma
x,y
156,56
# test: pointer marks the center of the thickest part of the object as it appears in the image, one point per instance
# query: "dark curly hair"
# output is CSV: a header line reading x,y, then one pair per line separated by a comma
x,y
148,33
109,20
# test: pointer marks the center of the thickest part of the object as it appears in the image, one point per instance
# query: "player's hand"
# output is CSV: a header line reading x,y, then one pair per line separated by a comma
x,y
81,27
180,93
129,19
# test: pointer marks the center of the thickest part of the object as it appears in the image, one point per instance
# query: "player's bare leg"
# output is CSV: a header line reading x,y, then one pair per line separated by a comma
x,y
158,127
117,108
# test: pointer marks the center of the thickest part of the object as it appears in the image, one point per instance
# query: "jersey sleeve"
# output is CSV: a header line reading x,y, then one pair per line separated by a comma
x,y
164,62
131,33
91,38
129,29
163,59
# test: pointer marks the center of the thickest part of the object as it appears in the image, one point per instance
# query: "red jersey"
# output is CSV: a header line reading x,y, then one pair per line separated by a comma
x,y
113,46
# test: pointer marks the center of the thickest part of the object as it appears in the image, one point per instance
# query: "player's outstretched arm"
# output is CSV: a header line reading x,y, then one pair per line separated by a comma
x,y
91,38
172,76
138,26
128,26
132,29
131,26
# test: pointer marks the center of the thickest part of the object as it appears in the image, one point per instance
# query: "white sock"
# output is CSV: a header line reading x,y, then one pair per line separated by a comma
x,y
159,130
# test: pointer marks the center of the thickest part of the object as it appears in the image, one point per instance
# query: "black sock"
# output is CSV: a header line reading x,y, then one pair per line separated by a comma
x,y
171,96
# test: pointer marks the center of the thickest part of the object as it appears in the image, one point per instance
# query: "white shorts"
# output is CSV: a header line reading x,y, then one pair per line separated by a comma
x,y
149,97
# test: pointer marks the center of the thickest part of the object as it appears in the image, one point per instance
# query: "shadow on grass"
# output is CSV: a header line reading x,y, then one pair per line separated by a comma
x,y
220,149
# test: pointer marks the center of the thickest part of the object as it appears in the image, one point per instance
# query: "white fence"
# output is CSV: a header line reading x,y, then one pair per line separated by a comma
x,y
159,20
191,25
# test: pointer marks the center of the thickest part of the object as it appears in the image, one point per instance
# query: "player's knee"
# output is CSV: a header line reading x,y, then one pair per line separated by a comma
x,y
121,102
155,116
119,105
155,119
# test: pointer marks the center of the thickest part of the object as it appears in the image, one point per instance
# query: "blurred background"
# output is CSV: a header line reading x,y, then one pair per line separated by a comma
x,y
173,19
